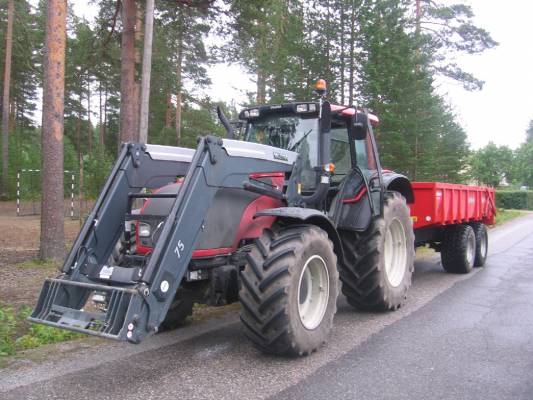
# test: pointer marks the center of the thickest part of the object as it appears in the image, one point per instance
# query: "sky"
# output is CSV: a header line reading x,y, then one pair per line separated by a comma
x,y
500,112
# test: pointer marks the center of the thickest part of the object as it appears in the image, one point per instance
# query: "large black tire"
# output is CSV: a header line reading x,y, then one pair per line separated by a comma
x,y
273,283
367,283
458,249
178,312
482,243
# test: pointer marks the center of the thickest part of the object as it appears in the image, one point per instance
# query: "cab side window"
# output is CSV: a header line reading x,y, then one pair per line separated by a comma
x,y
364,154
340,152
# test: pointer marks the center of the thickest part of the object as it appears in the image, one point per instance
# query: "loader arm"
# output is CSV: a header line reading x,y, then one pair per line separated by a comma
x,y
137,298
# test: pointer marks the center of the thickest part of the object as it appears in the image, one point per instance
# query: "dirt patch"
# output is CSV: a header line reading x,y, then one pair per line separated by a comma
x,y
22,234
19,243
28,208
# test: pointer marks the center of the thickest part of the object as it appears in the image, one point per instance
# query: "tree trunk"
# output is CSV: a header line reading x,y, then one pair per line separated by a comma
x,y
100,119
327,73
168,112
138,44
179,88
52,228
106,95
342,23
352,55
146,72
128,101
261,86
78,135
90,130
5,98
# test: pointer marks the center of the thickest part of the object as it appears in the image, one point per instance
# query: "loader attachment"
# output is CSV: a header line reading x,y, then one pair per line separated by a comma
x,y
128,301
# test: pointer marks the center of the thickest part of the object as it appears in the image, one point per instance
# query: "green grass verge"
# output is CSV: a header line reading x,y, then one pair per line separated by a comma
x,y
36,263
506,215
17,334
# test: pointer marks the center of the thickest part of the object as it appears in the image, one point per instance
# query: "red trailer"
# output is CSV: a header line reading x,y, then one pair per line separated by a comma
x,y
452,219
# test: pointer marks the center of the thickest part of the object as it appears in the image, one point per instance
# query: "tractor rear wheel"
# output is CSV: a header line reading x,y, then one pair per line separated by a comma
x,y
458,249
379,262
482,243
289,290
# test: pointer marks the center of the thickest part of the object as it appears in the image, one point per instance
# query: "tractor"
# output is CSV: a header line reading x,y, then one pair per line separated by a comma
x,y
276,221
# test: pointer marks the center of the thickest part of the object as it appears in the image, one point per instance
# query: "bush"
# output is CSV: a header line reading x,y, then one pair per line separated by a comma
x,y
17,334
8,325
515,199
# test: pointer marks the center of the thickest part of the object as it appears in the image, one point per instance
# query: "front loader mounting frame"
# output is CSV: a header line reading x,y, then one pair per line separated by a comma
x,y
134,301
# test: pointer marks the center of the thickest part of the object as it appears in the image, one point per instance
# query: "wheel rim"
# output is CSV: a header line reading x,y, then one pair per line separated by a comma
x,y
313,292
483,245
395,252
471,249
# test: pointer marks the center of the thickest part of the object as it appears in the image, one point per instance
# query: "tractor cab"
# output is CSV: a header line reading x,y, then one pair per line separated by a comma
x,y
297,127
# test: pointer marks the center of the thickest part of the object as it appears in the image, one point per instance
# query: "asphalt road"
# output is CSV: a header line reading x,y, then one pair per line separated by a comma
x,y
457,337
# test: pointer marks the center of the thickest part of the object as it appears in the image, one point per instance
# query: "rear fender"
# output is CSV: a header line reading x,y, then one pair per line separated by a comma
x,y
399,183
297,215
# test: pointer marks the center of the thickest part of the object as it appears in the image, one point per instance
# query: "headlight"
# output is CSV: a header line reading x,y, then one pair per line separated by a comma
x,y
145,230
301,108
254,112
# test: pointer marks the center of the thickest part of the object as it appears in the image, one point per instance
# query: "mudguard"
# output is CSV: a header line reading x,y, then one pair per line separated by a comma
x,y
307,216
399,183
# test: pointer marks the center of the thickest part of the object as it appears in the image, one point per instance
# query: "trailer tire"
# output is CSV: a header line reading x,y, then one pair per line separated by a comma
x,y
369,279
283,309
177,313
458,249
482,243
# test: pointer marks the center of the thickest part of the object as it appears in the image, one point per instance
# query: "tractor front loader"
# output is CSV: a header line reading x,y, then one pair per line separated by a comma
x,y
135,299
271,221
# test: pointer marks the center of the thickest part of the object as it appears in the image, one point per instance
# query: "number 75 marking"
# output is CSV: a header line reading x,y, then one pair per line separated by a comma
x,y
179,248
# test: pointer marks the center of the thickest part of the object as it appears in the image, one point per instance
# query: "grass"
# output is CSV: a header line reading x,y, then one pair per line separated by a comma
x,y
36,263
506,215
17,334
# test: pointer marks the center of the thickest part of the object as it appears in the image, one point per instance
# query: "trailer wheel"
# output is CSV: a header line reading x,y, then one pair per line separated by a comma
x,y
379,262
482,243
289,290
458,250
178,311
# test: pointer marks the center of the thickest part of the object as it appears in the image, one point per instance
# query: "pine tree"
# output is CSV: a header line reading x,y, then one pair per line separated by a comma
x,y
5,97
448,30
52,229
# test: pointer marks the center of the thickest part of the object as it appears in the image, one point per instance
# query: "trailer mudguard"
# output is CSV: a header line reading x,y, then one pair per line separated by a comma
x,y
399,183
308,216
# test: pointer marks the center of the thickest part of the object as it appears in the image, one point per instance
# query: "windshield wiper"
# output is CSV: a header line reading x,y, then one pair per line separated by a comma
x,y
295,145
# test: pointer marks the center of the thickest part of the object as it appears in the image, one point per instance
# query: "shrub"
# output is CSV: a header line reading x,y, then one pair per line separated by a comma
x,y
8,325
17,334
514,199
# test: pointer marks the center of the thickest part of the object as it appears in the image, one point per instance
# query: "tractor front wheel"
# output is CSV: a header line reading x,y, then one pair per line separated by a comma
x,y
179,310
289,290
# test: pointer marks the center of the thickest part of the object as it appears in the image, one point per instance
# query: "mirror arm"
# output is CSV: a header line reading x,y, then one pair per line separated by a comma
x,y
225,122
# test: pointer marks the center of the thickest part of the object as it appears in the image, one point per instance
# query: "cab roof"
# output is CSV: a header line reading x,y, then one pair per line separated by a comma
x,y
304,108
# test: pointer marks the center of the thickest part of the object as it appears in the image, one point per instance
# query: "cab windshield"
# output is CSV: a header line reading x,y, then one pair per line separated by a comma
x,y
289,132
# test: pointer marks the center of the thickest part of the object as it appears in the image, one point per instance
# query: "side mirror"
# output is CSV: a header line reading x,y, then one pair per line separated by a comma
x,y
360,126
